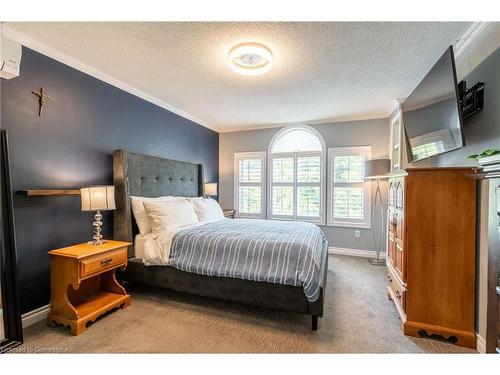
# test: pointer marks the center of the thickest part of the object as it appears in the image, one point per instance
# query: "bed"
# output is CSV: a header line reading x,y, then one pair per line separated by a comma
x,y
149,176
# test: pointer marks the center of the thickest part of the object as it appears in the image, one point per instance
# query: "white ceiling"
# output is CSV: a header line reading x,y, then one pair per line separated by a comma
x,y
321,72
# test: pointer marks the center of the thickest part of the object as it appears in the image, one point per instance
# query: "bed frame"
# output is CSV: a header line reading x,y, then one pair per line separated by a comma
x,y
149,176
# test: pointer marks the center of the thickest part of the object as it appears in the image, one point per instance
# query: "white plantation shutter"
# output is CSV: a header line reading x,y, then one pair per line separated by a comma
x,y
249,196
283,172
282,204
309,169
348,203
283,169
309,186
250,170
296,178
349,198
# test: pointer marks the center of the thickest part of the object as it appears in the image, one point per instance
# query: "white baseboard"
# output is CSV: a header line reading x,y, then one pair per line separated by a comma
x,y
354,252
480,344
35,316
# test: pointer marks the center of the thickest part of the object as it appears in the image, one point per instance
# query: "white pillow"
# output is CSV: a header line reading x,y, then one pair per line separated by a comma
x,y
140,214
207,209
170,214
214,211
199,207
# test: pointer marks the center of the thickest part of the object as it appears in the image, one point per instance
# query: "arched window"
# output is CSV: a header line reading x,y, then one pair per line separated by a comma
x,y
297,175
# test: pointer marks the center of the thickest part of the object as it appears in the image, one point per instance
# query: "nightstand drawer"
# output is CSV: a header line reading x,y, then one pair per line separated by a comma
x,y
97,264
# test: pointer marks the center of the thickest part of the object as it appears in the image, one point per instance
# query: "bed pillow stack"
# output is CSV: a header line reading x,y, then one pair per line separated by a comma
x,y
153,215
170,215
140,214
207,209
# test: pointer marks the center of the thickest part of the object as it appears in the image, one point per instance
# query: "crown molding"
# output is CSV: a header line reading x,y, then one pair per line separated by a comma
x,y
354,117
87,69
328,121
479,41
468,37
252,127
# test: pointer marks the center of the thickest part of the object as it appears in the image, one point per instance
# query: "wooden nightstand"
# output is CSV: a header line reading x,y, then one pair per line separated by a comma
x,y
230,214
83,285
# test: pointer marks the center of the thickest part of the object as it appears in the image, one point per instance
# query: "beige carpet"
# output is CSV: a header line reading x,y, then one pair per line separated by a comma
x,y
358,319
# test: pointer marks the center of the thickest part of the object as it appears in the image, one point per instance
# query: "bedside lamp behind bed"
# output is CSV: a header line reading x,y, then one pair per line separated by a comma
x,y
210,189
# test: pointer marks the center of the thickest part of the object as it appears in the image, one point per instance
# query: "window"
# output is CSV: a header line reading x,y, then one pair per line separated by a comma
x,y
349,199
249,182
430,144
427,150
297,175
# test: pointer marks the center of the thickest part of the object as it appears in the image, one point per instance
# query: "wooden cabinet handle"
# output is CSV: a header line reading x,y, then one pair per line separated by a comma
x,y
106,261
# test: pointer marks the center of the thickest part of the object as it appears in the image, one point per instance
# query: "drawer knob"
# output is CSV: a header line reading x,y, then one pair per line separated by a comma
x,y
389,278
106,261
398,294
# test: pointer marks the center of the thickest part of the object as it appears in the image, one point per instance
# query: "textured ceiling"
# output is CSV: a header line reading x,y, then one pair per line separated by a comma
x,y
321,71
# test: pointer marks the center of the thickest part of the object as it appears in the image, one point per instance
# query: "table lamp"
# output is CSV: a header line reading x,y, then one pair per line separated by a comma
x,y
377,169
98,198
211,189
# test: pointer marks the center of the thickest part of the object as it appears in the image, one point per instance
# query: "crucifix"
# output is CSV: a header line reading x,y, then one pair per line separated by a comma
x,y
41,100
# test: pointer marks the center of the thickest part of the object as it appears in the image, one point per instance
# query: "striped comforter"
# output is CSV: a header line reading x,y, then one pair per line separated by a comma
x,y
279,252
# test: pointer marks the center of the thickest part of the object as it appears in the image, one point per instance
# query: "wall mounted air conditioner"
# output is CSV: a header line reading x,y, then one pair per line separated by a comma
x,y
10,58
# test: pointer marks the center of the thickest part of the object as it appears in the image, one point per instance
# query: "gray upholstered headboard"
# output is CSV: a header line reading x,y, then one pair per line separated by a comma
x,y
149,176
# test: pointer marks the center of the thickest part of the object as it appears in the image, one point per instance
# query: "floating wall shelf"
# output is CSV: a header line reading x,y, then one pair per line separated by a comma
x,y
39,193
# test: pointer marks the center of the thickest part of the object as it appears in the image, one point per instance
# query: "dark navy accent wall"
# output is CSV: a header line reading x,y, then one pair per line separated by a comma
x,y
71,146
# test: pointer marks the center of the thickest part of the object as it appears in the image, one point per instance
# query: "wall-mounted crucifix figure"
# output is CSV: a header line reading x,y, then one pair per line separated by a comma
x,y
41,100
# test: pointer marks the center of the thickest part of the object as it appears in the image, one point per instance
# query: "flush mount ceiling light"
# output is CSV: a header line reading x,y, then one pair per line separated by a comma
x,y
250,59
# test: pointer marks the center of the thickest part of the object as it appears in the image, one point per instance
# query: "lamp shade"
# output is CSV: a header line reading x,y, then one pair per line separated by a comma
x,y
211,188
98,198
377,168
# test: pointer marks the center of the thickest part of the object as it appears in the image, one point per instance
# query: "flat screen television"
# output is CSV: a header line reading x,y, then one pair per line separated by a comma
x,y
431,114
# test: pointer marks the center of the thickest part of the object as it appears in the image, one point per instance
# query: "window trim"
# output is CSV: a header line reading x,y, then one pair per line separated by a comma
x,y
262,155
365,151
322,184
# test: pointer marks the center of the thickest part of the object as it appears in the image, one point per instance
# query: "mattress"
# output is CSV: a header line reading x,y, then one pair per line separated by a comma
x,y
279,252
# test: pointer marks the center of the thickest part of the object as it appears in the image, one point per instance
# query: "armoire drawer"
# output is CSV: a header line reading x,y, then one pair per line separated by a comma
x,y
397,291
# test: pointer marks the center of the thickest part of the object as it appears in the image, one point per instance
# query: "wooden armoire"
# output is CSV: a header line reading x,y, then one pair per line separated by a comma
x,y
431,252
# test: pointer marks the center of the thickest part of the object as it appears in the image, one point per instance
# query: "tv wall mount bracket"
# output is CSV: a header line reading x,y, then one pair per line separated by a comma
x,y
471,100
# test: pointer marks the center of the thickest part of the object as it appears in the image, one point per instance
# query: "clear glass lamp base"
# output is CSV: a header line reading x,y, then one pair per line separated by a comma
x,y
97,230
96,243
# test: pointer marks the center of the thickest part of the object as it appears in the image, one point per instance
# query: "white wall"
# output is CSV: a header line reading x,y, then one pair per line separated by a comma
x,y
354,133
